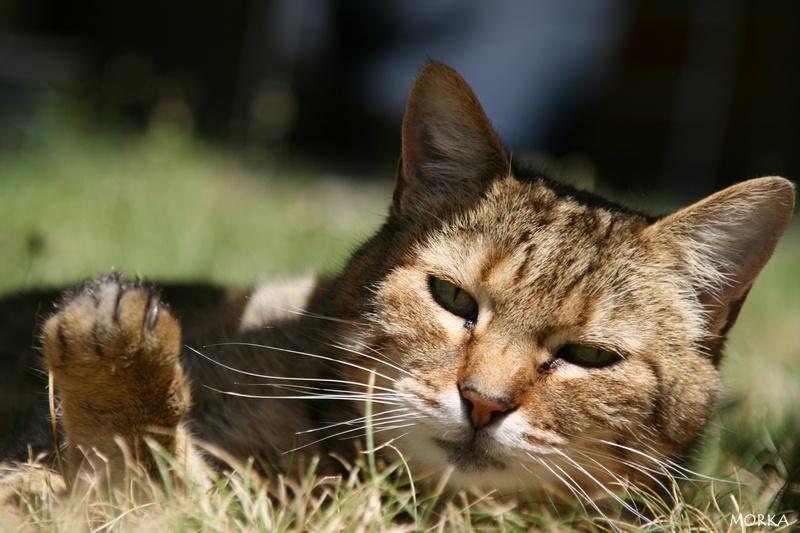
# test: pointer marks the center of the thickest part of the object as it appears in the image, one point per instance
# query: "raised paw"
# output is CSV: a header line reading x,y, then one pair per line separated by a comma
x,y
113,350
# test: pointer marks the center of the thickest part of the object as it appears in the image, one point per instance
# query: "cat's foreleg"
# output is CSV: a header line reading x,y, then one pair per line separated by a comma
x,y
113,351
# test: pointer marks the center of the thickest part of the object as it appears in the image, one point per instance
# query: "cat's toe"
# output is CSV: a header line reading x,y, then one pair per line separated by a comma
x,y
113,348
108,325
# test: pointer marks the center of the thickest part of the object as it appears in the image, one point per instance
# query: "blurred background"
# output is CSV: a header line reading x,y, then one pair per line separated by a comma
x,y
679,96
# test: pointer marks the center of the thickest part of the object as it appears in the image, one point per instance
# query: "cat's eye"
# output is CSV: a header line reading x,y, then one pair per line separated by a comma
x,y
587,356
454,299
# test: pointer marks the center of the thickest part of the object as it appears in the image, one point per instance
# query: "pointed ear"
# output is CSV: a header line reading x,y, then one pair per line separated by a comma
x,y
727,239
449,146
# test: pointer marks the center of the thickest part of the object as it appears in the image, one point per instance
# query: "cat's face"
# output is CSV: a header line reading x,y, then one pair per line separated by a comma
x,y
562,323
538,341
528,338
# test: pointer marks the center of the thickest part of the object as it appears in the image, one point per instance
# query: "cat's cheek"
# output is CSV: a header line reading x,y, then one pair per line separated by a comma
x,y
436,404
622,397
407,312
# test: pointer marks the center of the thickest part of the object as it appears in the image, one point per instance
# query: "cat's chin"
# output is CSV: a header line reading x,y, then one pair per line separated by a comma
x,y
476,465
470,457
482,464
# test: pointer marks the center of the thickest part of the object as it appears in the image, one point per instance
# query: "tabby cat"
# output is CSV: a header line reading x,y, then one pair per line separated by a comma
x,y
506,332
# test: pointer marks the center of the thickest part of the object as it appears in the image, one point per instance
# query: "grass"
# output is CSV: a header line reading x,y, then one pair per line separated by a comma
x,y
75,203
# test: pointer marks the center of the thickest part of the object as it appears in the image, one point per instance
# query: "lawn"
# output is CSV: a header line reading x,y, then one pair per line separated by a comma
x,y
164,207
76,203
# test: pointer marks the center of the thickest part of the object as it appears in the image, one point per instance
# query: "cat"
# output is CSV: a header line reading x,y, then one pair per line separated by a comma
x,y
501,331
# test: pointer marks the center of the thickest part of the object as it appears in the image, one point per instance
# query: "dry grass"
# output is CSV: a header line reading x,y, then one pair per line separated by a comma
x,y
383,499
76,204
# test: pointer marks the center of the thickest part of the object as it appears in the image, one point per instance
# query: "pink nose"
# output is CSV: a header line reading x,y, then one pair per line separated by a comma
x,y
482,410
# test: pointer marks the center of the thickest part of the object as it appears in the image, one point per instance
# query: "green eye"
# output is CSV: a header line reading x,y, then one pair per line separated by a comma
x,y
587,356
454,299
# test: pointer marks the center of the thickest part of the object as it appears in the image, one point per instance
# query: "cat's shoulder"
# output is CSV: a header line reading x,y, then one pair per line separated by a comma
x,y
278,301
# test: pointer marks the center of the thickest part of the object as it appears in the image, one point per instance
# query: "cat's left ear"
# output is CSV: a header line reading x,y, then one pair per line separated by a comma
x,y
450,150
727,239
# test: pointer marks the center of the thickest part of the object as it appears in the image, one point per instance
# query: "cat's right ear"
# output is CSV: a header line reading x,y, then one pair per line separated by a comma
x,y
450,150
726,239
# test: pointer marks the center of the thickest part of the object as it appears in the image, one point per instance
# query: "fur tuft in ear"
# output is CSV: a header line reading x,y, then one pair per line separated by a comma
x,y
727,239
448,143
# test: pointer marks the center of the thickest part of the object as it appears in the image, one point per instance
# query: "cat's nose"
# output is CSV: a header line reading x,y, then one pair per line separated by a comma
x,y
482,410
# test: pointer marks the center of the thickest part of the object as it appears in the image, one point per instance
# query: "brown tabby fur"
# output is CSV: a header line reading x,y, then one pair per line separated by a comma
x,y
489,402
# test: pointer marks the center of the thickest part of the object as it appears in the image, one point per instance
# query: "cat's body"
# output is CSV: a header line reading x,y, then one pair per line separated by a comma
x,y
506,332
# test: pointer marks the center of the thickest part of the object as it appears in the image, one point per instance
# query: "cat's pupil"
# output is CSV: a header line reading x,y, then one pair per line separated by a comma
x,y
458,297
454,299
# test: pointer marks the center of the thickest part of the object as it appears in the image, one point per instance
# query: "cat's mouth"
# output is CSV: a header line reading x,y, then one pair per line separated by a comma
x,y
470,456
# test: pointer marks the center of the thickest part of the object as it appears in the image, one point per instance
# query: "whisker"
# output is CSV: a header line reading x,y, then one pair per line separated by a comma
x,y
360,431
382,359
299,311
353,395
387,390
623,503
573,487
657,482
306,313
672,468
653,474
314,392
403,410
381,430
293,352
305,397
352,430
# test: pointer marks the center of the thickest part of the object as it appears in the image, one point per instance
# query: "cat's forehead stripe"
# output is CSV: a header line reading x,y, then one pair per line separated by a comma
x,y
492,261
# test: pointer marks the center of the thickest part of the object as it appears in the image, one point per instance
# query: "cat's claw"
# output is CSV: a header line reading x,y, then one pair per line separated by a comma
x,y
113,350
114,321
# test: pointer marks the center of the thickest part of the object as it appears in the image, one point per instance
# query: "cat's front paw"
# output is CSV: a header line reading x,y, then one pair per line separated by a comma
x,y
113,350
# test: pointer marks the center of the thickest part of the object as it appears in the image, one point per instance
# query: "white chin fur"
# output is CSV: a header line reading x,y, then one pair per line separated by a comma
x,y
508,466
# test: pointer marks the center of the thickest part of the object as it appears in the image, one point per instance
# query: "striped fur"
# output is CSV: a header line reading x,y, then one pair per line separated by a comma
x,y
488,400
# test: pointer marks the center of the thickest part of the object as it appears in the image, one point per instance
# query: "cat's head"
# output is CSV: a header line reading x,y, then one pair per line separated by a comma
x,y
526,336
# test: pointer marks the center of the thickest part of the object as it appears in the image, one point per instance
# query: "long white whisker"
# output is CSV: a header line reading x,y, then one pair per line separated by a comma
x,y
652,473
382,359
384,425
294,352
299,311
316,392
352,430
387,390
304,397
669,466
312,392
602,486
345,342
571,485
380,417
380,430
657,480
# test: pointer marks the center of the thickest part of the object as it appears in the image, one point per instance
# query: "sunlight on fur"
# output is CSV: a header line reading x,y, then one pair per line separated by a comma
x,y
503,342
